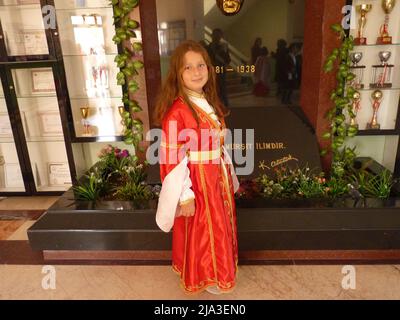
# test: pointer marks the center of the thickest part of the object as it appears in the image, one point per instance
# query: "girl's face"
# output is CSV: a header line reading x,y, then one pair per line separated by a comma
x,y
195,71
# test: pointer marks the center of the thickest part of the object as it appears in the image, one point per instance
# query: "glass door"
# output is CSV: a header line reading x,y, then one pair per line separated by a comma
x,y
258,60
39,112
10,170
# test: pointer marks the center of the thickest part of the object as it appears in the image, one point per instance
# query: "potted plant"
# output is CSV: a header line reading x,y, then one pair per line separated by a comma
x,y
117,177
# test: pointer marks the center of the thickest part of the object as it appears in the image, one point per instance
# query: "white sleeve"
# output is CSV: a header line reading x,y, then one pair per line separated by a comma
x,y
187,193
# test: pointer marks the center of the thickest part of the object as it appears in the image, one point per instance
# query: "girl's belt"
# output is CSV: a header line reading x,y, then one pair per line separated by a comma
x,y
204,156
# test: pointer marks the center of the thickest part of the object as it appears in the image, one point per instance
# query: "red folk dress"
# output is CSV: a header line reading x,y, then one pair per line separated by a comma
x,y
204,248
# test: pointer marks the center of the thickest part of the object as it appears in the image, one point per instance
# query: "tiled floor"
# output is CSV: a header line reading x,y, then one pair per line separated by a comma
x,y
8,227
160,282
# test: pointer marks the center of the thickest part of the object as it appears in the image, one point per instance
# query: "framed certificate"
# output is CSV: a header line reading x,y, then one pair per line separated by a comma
x,y
50,123
13,175
59,174
35,42
42,81
5,125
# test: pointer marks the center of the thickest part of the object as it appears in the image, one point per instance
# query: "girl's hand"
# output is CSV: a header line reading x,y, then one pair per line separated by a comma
x,y
188,209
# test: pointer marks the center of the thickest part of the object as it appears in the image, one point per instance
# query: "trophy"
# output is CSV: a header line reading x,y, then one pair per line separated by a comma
x,y
86,125
377,96
356,108
387,6
357,69
382,73
121,110
363,9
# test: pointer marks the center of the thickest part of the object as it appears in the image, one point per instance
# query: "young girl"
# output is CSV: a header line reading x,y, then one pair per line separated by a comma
x,y
198,178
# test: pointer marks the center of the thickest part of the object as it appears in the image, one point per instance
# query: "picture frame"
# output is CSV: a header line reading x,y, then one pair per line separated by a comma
x,y
50,123
59,174
5,126
42,81
35,42
13,175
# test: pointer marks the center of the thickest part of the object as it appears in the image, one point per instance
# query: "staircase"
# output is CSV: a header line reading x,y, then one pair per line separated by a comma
x,y
238,85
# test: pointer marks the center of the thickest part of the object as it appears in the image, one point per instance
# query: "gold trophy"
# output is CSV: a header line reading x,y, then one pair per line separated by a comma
x,y
363,9
121,110
387,6
356,108
86,125
377,96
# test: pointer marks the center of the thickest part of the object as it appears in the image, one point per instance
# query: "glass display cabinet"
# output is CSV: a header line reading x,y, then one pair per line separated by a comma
x,y
22,28
375,61
86,30
39,113
11,179
60,91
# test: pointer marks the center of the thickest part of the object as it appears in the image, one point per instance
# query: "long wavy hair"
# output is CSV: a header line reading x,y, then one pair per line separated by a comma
x,y
173,86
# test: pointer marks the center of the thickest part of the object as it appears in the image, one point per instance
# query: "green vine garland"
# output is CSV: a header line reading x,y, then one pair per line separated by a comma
x,y
342,97
129,66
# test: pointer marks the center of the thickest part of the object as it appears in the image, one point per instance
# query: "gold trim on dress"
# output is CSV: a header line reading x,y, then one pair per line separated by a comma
x,y
211,121
182,203
203,184
171,145
228,191
225,287
195,94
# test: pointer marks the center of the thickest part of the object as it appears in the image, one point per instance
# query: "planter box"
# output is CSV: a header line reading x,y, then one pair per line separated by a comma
x,y
264,228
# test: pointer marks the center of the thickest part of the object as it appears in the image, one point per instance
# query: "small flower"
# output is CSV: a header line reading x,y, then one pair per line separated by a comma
x,y
117,151
124,154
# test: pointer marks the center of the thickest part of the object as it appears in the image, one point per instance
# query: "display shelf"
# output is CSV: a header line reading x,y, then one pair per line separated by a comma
x,y
88,4
53,189
378,106
377,45
377,133
36,96
9,190
368,88
7,140
21,6
98,139
113,53
86,8
45,139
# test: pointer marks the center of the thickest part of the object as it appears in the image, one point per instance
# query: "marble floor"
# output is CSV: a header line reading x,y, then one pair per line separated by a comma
x,y
160,282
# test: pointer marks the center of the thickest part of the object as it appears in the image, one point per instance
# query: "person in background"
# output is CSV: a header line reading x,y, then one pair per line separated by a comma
x,y
280,66
299,64
290,76
256,50
220,57
262,75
